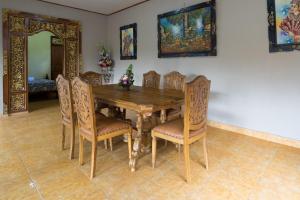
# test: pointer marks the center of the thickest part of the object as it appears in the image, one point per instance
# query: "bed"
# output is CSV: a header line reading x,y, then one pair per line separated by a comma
x,y
41,85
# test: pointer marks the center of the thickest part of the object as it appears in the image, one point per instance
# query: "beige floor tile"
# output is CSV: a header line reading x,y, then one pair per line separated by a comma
x,y
62,185
11,167
240,167
18,189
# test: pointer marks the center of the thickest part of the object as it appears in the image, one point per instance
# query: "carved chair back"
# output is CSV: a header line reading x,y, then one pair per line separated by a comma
x,y
92,78
65,97
196,104
84,106
151,79
174,80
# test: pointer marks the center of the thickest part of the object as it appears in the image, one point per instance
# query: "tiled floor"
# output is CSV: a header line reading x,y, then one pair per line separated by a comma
x,y
32,166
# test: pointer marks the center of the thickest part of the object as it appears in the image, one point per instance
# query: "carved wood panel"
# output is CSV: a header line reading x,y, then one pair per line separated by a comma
x,y
17,63
16,28
36,26
72,56
18,102
17,24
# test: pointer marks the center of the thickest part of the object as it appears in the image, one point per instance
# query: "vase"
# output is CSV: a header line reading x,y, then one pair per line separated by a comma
x,y
126,87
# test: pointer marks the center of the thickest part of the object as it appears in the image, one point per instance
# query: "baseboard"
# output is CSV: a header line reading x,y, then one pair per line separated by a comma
x,y
257,134
3,116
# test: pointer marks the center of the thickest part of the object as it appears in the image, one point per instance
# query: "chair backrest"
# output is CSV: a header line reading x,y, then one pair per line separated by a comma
x,y
84,103
92,78
151,79
174,80
196,104
65,97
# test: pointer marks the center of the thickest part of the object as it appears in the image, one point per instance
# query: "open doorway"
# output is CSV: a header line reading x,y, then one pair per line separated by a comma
x,y
17,27
45,62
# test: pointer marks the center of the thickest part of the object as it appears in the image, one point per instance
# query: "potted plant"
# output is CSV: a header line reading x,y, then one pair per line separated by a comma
x,y
126,80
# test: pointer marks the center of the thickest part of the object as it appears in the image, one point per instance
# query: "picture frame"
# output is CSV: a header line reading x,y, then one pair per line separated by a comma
x,y
128,42
284,24
188,32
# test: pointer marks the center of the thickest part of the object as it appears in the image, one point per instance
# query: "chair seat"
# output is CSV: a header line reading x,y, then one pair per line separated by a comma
x,y
106,125
175,129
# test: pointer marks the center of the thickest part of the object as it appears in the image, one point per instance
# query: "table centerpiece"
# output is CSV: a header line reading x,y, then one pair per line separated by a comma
x,y
126,80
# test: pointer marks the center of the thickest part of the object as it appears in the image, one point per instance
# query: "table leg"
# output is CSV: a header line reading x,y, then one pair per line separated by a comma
x,y
163,116
137,143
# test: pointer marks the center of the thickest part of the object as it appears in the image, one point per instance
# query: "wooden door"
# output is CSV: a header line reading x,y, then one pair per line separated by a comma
x,y
57,57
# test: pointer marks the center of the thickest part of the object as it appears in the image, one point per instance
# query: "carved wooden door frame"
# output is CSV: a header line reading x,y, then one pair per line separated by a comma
x,y
17,26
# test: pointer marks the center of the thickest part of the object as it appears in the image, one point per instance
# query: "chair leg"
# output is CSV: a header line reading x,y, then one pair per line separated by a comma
x,y
105,144
124,114
187,162
129,140
166,143
205,152
179,148
72,142
81,140
153,151
179,151
110,144
93,159
63,137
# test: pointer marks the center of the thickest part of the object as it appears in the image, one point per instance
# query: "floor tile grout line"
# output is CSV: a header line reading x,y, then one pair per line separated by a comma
x,y
30,177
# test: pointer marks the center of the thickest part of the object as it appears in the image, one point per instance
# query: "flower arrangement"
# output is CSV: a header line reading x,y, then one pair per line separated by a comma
x,y
105,59
126,79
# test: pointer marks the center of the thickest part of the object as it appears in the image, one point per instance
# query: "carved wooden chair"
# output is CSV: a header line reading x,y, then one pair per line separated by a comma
x,y
66,110
92,128
192,127
175,81
95,79
151,79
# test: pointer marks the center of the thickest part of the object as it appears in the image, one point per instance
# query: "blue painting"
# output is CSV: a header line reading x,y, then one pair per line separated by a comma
x,y
188,32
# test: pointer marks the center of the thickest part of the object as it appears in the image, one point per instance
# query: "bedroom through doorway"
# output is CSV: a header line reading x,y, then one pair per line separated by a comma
x,y
45,62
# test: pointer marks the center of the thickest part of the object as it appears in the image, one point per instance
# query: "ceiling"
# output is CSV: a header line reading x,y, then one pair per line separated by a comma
x,y
105,7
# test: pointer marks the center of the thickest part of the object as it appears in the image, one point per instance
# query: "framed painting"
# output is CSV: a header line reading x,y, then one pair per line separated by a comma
x,y
284,25
128,42
189,31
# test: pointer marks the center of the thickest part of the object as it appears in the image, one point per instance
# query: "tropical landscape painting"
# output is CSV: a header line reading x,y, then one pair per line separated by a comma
x,y
188,32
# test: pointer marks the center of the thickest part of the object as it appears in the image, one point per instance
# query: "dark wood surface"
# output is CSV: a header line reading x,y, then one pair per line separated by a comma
x,y
57,59
139,99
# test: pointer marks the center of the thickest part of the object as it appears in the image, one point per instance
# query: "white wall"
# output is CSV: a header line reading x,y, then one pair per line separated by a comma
x,y
251,88
93,30
39,55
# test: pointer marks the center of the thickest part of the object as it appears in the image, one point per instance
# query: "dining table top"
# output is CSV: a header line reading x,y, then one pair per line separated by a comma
x,y
140,99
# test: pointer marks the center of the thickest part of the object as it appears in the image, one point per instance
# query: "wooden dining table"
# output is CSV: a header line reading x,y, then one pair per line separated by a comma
x,y
144,102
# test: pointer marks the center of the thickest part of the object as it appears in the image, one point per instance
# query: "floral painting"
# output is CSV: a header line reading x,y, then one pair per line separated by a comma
x,y
284,25
188,32
128,47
